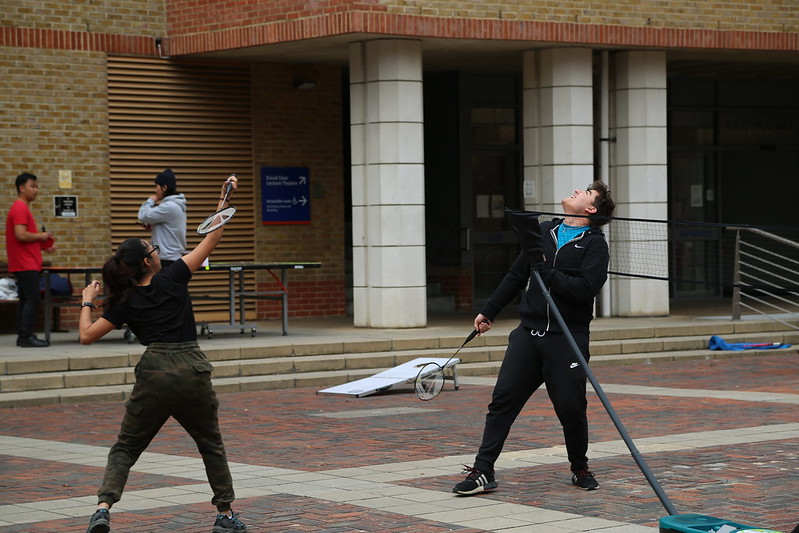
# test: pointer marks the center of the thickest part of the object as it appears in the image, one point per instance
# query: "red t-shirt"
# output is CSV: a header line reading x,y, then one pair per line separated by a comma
x,y
22,255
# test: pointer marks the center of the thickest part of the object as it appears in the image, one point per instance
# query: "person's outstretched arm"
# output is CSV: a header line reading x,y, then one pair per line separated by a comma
x,y
196,257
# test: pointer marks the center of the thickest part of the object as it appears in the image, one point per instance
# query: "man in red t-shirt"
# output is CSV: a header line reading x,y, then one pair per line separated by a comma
x,y
24,245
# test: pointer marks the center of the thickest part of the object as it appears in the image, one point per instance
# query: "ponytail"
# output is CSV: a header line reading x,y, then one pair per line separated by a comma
x,y
122,272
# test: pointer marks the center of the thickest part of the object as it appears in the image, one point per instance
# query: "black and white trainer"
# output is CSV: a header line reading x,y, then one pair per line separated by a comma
x,y
228,524
100,522
585,480
476,481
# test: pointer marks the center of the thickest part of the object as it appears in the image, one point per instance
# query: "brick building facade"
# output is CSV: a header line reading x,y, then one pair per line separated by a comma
x,y
375,122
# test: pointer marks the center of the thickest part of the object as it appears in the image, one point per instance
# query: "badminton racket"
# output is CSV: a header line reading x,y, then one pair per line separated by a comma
x,y
221,217
430,379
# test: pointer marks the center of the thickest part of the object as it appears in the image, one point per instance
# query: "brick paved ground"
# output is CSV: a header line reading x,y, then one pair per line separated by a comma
x,y
751,482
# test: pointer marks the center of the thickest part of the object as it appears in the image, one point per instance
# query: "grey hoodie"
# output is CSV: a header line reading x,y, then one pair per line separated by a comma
x,y
168,221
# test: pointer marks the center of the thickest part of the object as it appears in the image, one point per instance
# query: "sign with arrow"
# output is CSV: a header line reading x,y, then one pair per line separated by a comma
x,y
285,195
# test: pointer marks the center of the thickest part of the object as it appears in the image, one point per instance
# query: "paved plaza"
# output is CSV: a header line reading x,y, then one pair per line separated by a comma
x,y
721,436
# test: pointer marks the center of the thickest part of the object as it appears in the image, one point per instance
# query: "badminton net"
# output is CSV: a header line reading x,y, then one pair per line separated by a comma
x,y
758,266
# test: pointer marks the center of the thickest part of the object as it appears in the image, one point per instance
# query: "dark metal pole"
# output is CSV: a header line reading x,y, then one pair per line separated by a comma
x,y
606,402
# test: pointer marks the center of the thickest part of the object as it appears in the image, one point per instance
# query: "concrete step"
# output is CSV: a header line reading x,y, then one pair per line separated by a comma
x,y
686,342
603,341
49,375
328,378
226,368
641,340
46,378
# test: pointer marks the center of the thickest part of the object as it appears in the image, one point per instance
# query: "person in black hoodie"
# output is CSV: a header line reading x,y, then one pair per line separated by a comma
x,y
571,255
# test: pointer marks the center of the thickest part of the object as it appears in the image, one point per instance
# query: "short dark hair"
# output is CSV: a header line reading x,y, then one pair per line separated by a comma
x,y
23,178
167,179
605,206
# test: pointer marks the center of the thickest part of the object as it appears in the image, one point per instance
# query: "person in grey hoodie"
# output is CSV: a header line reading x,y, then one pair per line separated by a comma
x,y
165,214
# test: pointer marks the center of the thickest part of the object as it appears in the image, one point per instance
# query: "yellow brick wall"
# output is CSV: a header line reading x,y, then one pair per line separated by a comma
x,y
130,17
303,128
53,117
742,15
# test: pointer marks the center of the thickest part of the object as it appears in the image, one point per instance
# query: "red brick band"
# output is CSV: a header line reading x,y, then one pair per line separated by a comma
x,y
403,26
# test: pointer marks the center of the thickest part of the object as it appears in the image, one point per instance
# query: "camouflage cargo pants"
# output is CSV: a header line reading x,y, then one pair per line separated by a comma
x,y
172,379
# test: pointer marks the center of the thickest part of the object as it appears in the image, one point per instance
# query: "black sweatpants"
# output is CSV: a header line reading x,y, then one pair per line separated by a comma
x,y
29,295
172,379
531,360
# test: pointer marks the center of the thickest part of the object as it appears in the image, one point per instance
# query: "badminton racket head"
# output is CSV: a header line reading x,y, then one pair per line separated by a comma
x,y
429,381
216,221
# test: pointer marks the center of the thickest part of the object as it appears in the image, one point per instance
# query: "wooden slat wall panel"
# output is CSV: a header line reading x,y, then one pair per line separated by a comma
x,y
195,118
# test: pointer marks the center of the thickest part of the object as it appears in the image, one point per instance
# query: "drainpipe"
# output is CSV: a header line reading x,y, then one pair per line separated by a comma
x,y
604,164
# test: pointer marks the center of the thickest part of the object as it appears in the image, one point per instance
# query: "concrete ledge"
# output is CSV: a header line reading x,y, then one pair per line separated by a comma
x,y
280,365
277,382
222,354
318,363
497,354
36,363
424,343
91,362
94,378
107,374
318,348
366,346
474,355
322,379
260,352
29,398
370,360
717,328
96,394
488,368
745,326
31,382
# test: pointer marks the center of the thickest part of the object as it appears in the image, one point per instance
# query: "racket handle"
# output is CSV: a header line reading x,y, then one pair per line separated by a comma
x,y
472,335
228,188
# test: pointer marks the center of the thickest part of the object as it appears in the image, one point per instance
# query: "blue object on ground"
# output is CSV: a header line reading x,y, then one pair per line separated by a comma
x,y
717,343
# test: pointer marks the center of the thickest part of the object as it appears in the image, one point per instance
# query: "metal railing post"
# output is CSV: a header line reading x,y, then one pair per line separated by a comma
x,y
736,279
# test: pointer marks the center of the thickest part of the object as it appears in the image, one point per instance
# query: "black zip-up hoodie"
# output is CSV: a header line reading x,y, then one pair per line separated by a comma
x,y
574,276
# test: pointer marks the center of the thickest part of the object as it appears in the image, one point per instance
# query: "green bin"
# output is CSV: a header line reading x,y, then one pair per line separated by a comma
x,y
698,523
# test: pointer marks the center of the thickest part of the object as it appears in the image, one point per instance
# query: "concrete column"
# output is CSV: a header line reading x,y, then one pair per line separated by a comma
x,y
557,125
388,232
639,183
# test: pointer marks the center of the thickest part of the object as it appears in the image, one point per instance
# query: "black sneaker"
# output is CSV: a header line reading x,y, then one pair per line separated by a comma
x,y
584,479
224,524
32,342
100,522
476,481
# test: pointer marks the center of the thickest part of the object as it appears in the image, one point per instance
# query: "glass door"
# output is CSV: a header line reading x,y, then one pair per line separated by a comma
x,y
494,168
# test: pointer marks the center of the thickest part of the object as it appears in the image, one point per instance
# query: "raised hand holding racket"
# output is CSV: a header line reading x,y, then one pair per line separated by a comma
x,y
430,379
223,214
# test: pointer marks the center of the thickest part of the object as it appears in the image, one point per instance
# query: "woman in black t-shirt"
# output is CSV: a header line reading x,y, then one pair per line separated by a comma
x,y
173,377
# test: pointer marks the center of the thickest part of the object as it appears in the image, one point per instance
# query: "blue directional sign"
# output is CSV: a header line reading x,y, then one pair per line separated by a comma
x,y
285,195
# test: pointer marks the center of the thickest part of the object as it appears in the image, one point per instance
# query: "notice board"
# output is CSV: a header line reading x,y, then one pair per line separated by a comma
x,y
65,206
285,195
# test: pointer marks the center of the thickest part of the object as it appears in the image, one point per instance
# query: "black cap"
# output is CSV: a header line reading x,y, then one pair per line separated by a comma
x,y
167,177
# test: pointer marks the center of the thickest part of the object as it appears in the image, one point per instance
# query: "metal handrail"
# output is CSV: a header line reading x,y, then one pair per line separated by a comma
x,y
765,289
